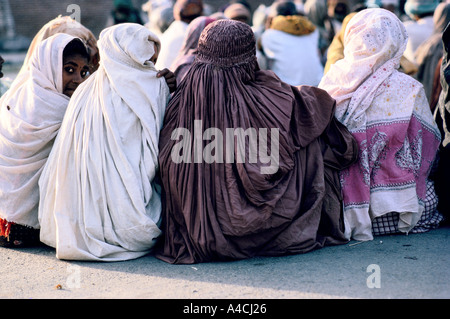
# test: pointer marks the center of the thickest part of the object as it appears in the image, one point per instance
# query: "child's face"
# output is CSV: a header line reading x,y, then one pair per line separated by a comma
x,y
75,71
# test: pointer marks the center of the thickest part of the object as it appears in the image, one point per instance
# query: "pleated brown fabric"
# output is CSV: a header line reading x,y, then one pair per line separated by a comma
x,y
228,210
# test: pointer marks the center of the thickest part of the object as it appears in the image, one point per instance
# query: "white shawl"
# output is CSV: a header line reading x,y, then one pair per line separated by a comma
x,y
31,112
98,199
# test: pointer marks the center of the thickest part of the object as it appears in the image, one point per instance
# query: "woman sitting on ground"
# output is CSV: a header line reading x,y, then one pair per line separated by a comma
x,y
387,190
31,112
98,198
249,164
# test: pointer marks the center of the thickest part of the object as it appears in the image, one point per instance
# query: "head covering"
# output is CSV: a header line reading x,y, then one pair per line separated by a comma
x,y
295,25
335,51
388,114
31,112
241,52
98,197
65,24
380,42
418,7
230,207
238,11
187,9
188,50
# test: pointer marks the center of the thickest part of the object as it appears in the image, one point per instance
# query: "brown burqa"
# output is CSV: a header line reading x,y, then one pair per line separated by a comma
x,y
228,210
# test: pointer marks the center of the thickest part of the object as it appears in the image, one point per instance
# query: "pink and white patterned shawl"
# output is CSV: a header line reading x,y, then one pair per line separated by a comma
x,y
389,115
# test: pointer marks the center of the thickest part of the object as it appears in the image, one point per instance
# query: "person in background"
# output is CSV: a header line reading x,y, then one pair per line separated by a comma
x,y
391,5
184,11
280,8
224,206
429,54
291,46
124,12
258,26
5,84
188,50
337,11
388,189
245,3
31,113
277,8
237,11
98,197
420,26
442,117
160,15
317,13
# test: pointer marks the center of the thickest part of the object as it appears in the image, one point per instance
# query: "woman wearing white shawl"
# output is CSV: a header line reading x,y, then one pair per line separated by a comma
x,y
388,114
98,200
31,112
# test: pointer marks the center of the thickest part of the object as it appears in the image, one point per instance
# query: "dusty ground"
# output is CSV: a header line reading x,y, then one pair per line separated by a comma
x,y
389,267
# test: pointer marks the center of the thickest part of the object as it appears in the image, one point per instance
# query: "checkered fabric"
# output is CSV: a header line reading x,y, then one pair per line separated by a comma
x,y
430,219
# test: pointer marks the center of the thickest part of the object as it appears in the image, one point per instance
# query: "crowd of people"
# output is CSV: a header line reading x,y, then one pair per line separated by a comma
x,y
204,135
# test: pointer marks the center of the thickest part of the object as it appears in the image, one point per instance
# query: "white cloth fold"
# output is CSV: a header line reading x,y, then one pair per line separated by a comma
x,y
31,112
98,196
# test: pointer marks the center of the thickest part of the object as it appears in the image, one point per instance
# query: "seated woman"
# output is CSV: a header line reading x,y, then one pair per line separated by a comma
x,y
98,199
335,50
387,190
249,166
31,112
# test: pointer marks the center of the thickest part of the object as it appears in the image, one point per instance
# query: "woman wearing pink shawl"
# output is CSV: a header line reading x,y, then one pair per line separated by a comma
x,y
387,190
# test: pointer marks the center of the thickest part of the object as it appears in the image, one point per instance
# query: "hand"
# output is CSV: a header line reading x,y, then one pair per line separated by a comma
x,y
170,78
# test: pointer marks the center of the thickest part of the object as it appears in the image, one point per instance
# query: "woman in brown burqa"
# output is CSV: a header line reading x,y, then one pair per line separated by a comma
x,y
221,207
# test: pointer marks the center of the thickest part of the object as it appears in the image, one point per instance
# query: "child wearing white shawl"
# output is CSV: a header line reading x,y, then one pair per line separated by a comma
x,y
31,112
98,199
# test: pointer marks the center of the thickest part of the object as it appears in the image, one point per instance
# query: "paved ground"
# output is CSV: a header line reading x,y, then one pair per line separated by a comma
x,y
389,267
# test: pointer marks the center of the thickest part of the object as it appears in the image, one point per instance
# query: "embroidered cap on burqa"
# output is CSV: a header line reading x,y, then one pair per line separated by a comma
x,y
226,43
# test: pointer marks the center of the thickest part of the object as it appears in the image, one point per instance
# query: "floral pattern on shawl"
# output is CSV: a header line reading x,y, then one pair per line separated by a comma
x,y
388,114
